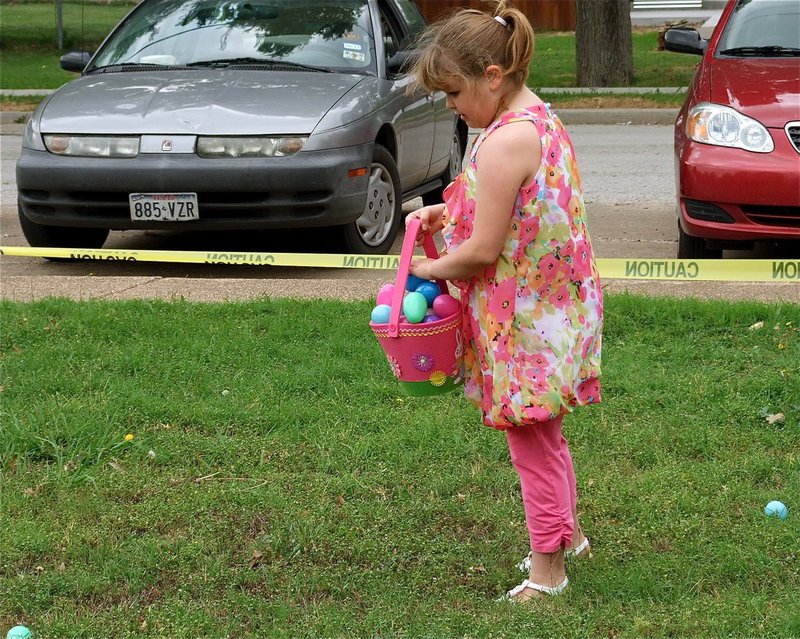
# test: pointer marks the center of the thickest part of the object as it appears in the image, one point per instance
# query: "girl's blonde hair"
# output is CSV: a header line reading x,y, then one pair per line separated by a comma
x,y
463,45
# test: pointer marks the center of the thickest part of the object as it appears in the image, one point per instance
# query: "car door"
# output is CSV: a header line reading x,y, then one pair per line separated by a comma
x,y
443,118
414,123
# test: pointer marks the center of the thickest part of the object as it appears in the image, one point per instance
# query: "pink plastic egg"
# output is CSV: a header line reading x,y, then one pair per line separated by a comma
x,y
446,305
385,294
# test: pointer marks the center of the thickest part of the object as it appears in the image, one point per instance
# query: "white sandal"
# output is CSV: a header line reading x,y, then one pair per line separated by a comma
x,y
525,564
548,590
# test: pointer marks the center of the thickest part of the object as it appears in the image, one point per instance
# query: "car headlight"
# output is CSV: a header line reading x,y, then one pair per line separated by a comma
x,y
93,146
255,147
722,126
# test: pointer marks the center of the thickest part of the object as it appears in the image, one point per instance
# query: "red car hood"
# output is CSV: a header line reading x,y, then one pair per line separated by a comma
x,y
765,89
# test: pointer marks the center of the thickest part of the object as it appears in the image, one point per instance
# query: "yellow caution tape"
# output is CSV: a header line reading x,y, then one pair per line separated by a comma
x,y
611,268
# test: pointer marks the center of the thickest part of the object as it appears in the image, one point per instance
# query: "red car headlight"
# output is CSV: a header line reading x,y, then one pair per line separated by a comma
x,y
722,126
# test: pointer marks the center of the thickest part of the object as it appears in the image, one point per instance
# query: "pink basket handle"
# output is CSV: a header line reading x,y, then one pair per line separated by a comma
x,y
407,253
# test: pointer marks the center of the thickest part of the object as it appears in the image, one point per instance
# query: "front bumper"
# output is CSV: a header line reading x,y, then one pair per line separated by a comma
x,y
756,196
308,189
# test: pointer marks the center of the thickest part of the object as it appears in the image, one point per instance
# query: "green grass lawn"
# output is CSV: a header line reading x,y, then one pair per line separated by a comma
x,y
278,485
29,58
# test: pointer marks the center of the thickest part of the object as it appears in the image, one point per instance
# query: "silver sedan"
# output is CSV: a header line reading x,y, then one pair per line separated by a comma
x,y
259,114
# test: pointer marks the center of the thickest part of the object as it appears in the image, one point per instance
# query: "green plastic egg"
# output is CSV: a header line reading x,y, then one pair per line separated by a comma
x,y
414,307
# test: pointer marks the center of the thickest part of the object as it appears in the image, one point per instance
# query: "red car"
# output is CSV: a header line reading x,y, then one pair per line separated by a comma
x,y
737,136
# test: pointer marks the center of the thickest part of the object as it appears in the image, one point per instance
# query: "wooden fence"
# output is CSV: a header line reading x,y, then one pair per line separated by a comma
x,y
545,15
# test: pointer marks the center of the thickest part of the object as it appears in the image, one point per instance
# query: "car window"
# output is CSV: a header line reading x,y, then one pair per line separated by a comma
x,y
411,15
762,23
391,41
332,34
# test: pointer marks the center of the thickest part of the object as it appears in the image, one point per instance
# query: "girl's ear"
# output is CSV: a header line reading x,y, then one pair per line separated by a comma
x,y
493,76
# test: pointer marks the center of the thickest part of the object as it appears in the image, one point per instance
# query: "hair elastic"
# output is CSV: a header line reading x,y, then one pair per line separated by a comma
x,y
501,21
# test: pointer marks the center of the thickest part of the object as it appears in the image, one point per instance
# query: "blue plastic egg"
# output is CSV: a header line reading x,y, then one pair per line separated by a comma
x,y
380,314
430,290
413,282
414,307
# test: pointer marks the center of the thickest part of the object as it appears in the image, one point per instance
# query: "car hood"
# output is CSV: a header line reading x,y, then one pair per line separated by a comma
x,y
765,89
207,102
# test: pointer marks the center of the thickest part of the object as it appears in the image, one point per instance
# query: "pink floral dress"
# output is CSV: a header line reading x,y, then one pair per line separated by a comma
x,y
533,320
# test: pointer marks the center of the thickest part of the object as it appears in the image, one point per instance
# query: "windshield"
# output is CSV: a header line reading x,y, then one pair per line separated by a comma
x,y
328,34
765,26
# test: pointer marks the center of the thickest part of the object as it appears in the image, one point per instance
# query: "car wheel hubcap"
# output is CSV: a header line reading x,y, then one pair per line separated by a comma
x,y
455,152
376,221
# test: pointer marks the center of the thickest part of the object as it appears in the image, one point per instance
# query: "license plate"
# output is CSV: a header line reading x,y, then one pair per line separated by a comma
x,y
164,207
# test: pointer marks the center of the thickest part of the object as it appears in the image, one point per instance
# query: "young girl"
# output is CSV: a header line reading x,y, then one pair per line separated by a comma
x,y
517,246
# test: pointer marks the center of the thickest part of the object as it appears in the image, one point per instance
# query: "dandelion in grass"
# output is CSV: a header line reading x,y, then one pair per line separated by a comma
x,y
423,362
128,437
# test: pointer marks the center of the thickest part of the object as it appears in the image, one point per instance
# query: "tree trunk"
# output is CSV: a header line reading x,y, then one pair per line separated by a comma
x,y
603,43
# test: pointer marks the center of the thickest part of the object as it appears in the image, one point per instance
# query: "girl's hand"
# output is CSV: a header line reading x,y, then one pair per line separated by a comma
x,y
430,218
421,267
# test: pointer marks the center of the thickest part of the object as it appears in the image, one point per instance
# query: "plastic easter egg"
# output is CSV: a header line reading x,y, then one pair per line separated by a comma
x,y
776,509
414,307
19,632
430,290
431,318
380,314
446,305
413,282
385,294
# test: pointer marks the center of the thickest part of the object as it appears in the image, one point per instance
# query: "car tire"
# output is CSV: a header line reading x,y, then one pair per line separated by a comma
x,y
45,235
695,248
374,232
453,169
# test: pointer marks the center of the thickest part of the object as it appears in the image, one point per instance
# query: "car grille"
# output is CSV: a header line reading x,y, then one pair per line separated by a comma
x,y
773,215
793,131
213,205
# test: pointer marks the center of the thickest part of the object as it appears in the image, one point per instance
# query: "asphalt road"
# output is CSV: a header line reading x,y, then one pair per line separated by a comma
x,y
627,175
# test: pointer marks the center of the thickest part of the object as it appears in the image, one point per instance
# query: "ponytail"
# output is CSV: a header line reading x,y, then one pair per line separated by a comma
x,y
464,44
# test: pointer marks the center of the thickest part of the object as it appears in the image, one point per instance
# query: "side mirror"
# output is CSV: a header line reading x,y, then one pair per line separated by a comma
x,y
684,40
399,62
76,61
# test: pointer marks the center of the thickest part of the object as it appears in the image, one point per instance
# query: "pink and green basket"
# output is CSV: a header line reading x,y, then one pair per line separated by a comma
x,y
424,357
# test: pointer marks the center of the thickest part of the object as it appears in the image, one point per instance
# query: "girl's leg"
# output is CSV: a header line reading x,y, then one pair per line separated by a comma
x,y
536,452
577,535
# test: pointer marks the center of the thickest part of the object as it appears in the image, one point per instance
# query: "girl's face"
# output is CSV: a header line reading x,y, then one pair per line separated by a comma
x,y
477,105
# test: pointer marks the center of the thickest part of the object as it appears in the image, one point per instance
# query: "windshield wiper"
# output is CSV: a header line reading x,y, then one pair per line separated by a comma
x,y
228,62
767,51
124,65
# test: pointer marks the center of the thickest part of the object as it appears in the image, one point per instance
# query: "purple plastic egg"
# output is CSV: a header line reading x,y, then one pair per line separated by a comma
x,y
431,318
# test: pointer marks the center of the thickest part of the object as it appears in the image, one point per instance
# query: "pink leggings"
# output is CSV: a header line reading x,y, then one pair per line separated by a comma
x,y
541,456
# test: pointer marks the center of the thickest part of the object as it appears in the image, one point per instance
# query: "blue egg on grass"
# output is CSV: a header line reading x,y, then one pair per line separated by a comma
x,y
413,282
430,290
19,632
414,307
380,314
777,509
